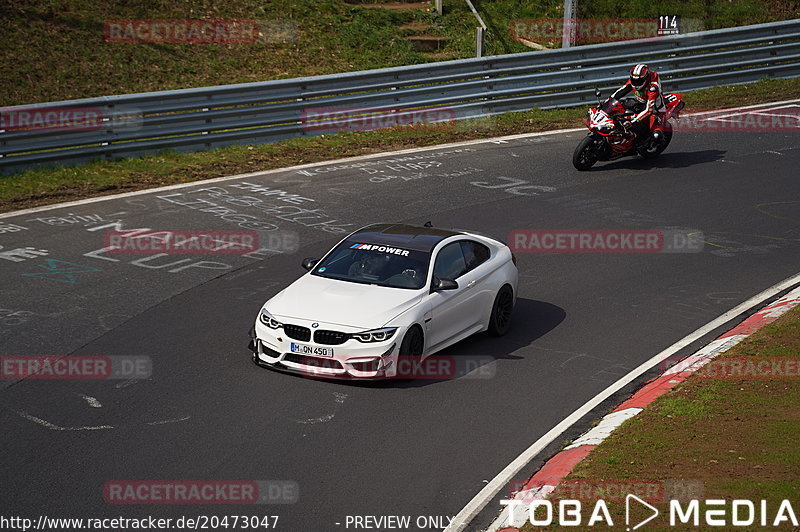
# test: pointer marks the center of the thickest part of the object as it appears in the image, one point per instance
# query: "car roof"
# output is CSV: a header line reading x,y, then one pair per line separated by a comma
x,y
416,237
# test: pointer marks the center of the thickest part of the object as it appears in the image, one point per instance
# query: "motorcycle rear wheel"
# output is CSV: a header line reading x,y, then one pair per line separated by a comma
x,y
654,151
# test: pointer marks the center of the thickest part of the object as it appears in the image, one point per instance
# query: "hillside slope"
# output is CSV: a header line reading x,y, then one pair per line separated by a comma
x,y
55,49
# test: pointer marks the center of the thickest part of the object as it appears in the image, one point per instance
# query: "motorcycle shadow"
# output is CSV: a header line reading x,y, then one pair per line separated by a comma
x,y
665,160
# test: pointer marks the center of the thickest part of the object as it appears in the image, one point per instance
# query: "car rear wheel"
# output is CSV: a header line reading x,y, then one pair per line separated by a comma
x,y
500,319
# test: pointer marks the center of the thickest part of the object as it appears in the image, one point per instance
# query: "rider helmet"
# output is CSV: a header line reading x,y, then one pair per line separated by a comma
x,y
640,75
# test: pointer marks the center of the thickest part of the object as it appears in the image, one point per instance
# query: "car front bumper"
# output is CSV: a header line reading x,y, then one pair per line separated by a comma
x,y
351,359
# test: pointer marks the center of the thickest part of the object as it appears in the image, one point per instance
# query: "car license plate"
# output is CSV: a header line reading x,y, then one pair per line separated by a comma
x,y
311,350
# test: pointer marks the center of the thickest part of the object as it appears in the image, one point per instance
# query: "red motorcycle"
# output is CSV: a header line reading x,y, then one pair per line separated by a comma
x,y
611,134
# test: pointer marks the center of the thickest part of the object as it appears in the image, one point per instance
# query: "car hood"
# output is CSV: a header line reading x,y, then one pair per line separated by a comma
x,y
362,306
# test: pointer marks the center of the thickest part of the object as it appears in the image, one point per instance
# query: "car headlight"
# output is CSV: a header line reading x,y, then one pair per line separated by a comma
x,y
375,335
267,319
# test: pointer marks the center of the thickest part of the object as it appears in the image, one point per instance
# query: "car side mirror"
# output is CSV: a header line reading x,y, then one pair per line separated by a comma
x,y
443,284
597,93
309,263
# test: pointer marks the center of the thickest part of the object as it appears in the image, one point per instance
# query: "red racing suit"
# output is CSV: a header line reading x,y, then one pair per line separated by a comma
x,y
651,96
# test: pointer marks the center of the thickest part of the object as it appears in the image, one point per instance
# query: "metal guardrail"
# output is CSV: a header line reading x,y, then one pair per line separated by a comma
x,y
257,113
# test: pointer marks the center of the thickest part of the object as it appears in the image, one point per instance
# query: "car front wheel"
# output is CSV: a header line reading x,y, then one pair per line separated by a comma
x,y
412,343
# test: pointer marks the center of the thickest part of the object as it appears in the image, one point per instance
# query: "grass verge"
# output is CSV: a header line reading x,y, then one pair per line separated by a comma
x,y
728,438
52,185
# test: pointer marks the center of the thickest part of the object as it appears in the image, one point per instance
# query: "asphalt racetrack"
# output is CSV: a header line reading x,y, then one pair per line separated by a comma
x,y
419,448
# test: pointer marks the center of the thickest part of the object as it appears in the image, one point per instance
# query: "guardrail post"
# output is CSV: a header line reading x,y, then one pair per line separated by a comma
x,y
479,32
439,7
568,31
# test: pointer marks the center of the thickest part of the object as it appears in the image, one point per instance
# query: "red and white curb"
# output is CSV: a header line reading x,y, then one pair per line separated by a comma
x,y
545,481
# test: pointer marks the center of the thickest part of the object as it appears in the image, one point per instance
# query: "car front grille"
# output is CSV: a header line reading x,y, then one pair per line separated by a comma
x,y
330,337
296,332
327,363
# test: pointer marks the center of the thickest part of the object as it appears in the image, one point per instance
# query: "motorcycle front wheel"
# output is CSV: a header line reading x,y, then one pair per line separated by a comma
x,y
585,154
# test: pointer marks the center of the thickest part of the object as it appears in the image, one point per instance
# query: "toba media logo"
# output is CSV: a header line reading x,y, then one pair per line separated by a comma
x,y
638,512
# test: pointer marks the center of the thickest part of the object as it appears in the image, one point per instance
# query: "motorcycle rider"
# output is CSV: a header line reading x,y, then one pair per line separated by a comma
x,y
647,97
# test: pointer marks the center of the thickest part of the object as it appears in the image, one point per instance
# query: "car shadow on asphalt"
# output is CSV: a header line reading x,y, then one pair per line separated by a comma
x,y
665,160
475,356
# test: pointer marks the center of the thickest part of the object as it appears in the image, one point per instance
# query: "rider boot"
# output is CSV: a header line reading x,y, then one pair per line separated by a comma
x,y
655,125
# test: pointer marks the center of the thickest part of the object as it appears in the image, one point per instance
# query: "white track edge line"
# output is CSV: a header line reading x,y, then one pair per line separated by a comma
x,y
285,169
765,104
473,507
64,205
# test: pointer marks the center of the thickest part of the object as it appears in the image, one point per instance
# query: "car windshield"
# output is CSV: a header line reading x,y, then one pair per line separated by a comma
x,y
378,264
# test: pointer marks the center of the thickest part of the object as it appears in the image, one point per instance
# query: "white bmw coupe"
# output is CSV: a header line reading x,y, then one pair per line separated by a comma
x,y
386,293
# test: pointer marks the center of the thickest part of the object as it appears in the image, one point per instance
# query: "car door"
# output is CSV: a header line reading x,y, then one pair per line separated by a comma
x,y
481,296
454,312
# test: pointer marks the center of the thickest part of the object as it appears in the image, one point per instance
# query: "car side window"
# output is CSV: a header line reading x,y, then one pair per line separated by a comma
x,y
475,253
450,263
